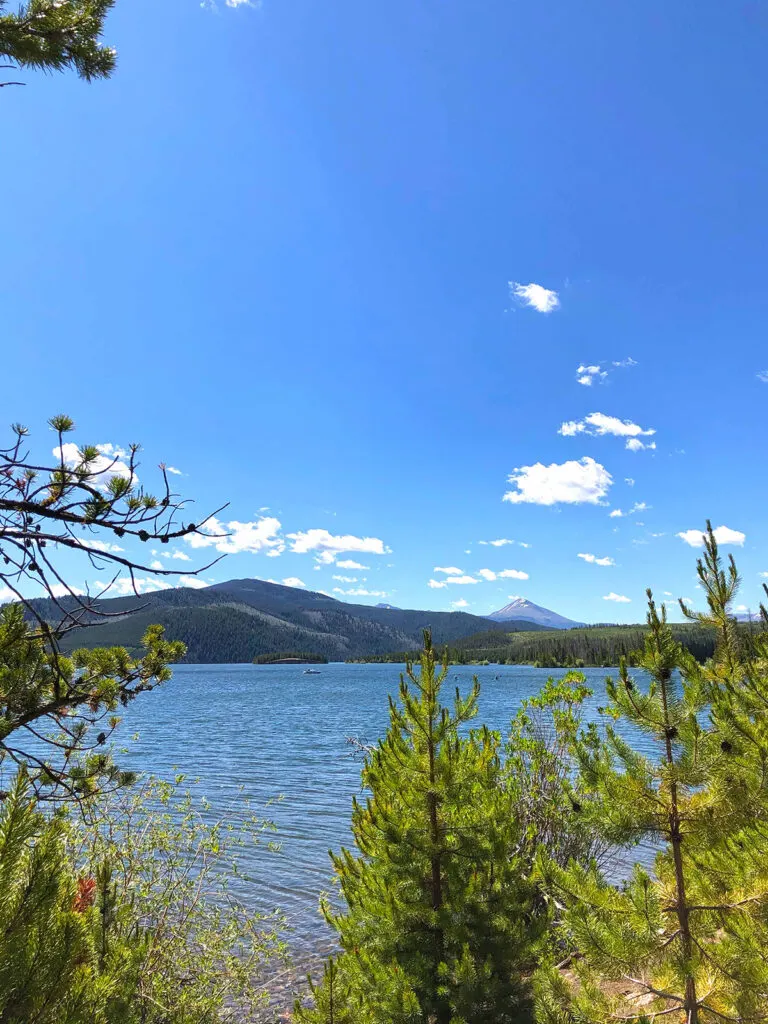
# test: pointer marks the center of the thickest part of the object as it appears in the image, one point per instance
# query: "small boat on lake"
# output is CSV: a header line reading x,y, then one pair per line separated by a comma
x,y
311,671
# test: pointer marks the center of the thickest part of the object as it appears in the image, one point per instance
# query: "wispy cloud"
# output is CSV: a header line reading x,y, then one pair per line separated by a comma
x,y
502,542
634,444
328,547
361,592
234,538
763,376
502,574
588,374
593,559
172,469
449,570
597,424
143,585
618,598
535,296
629,481
293,581
108,464
639,506
577,482
348,563
192,581
723,535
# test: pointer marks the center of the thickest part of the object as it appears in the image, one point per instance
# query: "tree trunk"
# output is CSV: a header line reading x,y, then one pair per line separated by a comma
x,y
691,1004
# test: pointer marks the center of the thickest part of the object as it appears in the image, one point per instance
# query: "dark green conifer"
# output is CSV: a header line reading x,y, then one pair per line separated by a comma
x,y
437,925
57,35
687,939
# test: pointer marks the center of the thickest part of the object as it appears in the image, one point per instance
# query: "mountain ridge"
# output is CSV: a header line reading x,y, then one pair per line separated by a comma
x,y
239,620
520,608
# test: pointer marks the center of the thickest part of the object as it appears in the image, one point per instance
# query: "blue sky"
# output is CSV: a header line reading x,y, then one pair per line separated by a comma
x,y
277,247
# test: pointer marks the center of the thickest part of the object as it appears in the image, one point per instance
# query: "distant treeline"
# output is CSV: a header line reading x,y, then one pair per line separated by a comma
x,y
290,656
600,646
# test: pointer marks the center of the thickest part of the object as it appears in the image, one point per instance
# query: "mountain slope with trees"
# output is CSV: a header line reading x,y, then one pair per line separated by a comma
x,y
240,620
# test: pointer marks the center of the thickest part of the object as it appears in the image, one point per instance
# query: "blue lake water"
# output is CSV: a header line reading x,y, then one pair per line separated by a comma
x,y
264,732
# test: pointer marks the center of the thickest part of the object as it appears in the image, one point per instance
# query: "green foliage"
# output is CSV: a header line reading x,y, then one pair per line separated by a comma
x,y
689,937
438,923
177,866
61,961
70,702
538,773
58,35
125,917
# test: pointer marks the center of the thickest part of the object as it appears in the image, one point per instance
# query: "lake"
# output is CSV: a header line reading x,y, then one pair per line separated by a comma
x,y
272,731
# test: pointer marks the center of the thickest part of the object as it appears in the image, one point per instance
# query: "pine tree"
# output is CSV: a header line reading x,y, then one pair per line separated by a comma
x,y
688,938
438,917
57,35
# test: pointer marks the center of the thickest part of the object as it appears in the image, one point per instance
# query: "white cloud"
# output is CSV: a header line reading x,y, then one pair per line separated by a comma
x,y
618,598
502,542
124,586
449,570
763,376
172,469
157,564
597,424
61,590
347,563
328,546
293,581
103,468
585,481
182,556
616,514
764,575
437,584
534,296
346,579
487,574
192,581
634,444
512,574
100,545
262,535
593,559
587,375
6,595
629,481
640,506
723,535
461,580
361,592
461,603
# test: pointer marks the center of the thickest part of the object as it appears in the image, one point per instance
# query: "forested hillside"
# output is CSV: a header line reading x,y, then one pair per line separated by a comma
x,y
239,620
556,648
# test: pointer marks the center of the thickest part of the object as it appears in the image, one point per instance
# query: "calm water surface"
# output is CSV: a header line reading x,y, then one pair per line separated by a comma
x,y
272,732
